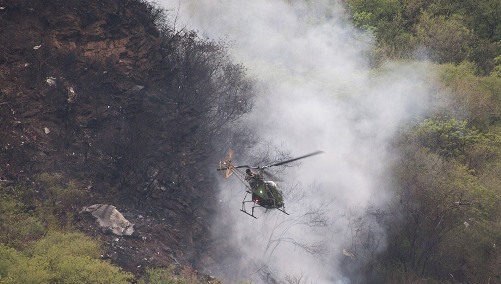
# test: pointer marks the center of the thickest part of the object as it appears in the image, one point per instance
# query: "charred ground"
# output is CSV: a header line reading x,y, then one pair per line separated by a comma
x,y
106,94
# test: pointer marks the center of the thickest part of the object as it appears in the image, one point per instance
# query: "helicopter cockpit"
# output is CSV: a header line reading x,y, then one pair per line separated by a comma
x,y
264,193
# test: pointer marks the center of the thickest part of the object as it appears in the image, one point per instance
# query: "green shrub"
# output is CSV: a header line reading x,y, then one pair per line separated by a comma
x,y
17,268
58,244
168,275
59,200
59,258
17,227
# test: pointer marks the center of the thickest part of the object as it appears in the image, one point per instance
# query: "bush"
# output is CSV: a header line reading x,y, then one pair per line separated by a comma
x,y
59,200
18,228
59,244
27,257
59,258
168,275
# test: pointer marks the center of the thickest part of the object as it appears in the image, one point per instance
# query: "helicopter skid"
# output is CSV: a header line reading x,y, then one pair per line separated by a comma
x,y
245,211
283,211
248,214
252,214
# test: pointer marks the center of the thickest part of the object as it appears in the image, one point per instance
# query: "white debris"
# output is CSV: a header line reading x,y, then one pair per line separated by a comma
x,y
348,254
466,224
46,130
37,47
71,94
51,81
2,8
110,219
137,88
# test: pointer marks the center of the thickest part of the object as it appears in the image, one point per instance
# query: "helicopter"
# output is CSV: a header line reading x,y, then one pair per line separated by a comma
x,y
263,193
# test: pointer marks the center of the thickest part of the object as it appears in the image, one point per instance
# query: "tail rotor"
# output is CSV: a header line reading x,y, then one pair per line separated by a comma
x,y
226,164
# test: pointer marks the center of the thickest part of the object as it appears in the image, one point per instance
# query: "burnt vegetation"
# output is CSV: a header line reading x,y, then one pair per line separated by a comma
x,y
107,94
105,102
126,96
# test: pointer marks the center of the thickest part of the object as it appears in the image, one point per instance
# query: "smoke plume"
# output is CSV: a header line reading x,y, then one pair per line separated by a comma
x,y
317,92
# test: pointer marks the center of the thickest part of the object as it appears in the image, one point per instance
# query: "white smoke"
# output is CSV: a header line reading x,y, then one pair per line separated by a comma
x,y
318,93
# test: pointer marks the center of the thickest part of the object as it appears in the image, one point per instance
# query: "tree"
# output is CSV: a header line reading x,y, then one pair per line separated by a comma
x,y
474,95
447,38
451,31
450,217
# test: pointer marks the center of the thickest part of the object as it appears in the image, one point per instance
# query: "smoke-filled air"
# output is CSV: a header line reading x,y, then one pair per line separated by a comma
x,y
316,91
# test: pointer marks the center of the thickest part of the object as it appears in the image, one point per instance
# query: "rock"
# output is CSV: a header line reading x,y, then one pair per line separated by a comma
x,y
110,219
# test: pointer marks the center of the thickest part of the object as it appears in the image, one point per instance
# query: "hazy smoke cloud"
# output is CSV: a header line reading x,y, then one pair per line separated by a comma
x,y
317,94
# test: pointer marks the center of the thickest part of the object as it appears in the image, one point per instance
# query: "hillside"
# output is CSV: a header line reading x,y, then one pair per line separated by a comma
x,y
97,93
117,103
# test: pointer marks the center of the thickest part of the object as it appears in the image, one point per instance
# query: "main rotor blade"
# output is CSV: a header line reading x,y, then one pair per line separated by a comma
x,y
271,176
238,167
293,160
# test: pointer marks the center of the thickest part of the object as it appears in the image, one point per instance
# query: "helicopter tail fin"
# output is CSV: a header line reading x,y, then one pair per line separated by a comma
x,y
226,164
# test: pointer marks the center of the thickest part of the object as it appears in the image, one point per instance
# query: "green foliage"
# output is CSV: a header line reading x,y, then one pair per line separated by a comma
x,y
482,15
17,268
59,199
473,247
447,38
448,138
364,20
59,258
479,97
384,19
17,226
59,244
452,31
168,275
7,257
163,276
448,180
26,256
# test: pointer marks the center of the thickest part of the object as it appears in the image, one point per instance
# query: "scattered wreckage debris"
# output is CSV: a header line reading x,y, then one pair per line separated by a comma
x,y
349,254
110,219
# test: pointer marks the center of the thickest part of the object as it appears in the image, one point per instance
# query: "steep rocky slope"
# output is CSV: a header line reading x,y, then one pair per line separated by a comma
x,y
95,91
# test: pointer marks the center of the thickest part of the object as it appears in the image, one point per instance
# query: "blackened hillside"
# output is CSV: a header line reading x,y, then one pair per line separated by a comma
x,y
105,93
